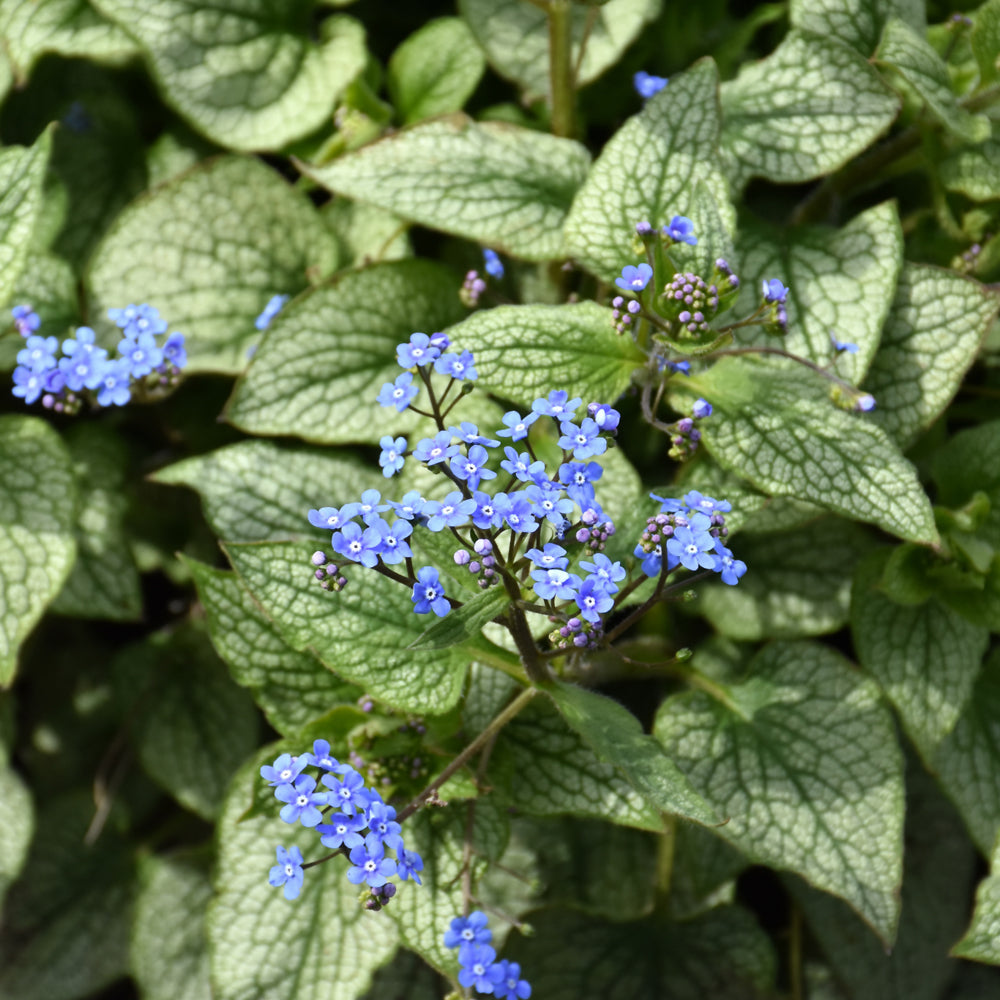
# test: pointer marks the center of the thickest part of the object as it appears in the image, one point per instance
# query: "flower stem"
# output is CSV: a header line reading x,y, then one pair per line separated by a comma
x,y
562,92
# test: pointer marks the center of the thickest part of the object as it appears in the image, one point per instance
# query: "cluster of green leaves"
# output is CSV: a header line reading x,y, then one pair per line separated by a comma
x,y
809,805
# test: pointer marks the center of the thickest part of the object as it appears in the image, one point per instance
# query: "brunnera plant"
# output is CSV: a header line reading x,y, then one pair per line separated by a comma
x,y
587,573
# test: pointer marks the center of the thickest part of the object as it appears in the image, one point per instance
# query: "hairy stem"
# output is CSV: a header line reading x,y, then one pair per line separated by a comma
x,y
561,68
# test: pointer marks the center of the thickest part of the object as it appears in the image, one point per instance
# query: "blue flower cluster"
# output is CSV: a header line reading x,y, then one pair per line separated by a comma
x,y
692,530
646,85
350,818
86,369
477,960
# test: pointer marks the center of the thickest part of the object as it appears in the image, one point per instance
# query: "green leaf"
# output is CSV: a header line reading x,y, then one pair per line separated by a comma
x,y
37,547
22,172
840,282
319,370
650,169
362,633
543,768
209,249
244,74
970,462
857,23
722,953
17,824
808,108
366,234
406,977
71,28
925,657
968,759
910,54
291,688
938,864
986,40
798,583
973,170
802,761
775,428
66,920
324,945
515,37
704,871
981,941
255,491
193,726
936,324
104,582
523,352
169,952
494,183
464,623
435,70
615,736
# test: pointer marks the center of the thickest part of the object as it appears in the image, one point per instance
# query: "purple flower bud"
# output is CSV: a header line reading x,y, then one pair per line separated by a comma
x,y
461,558
643,228
634,306
320,575
482,546
580,640
583,535
473,566
684,425
318,558
574,624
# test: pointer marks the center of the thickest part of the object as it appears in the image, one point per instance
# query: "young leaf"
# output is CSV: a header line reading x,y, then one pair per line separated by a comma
x,y
246,75
856,23
37,545
798,583
435,70
913,57
981,942
986,40
515,37
937,321
973,170
925,657
649,170
840,283
523,352
209,249
802,761
256,936
774,428
544,768
318,373
361,633
168,948
805,110
498,184
256,491
464,623
615,736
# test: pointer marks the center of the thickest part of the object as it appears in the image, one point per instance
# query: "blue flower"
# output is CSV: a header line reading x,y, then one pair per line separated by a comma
x,y
347,793
370,865
606,573
516,511
441,341
486,515
328,517
552,556
516,426
302,801
137,320
428,594
472,467
368,507
284,770
696,501
557,405
451,512
521,466
142,354
681,230
342,831
39,353
114,387
702,408
393,547
584,441
478,968
646,85
399,393
865,403
634,279
382,826
408,863
458,366
684,367
322,758
410,506
83,364
392,458
604,416
550,502
468,433
593,600
468,930
510,985
418,352
555,584
692,548
840,345
274,306
651,562
774,290
728,566
288,872
357,544
580,474
430,451
28,385
26,320
492,264
173,350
